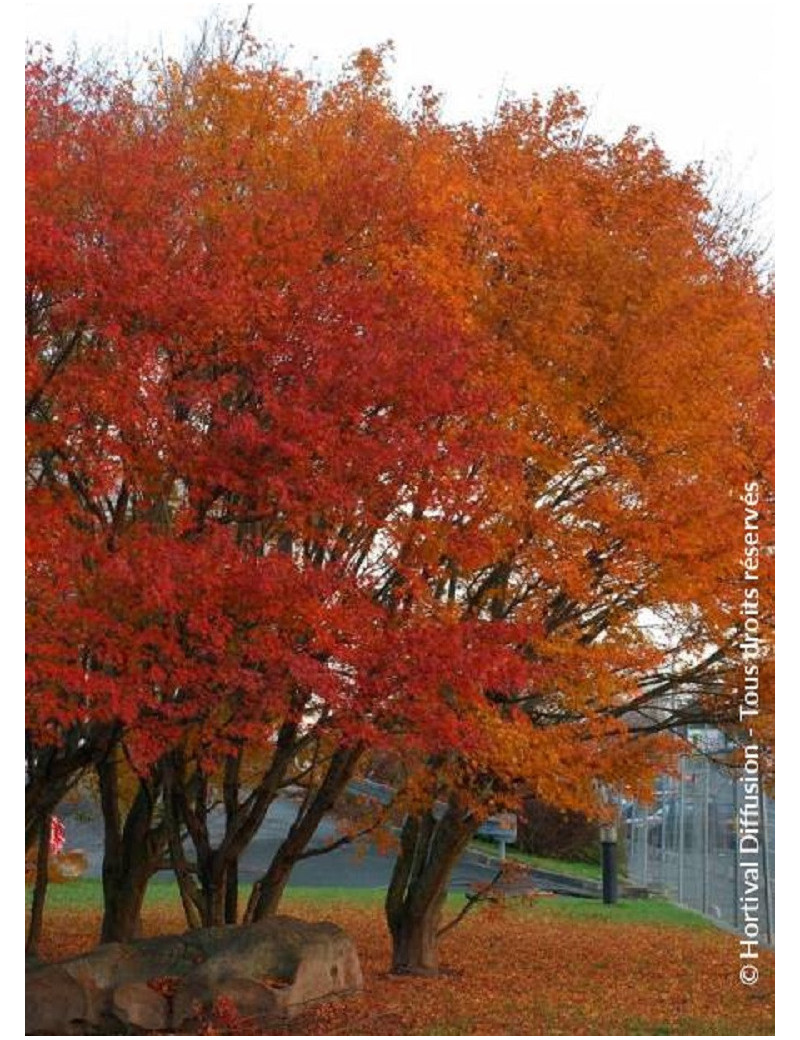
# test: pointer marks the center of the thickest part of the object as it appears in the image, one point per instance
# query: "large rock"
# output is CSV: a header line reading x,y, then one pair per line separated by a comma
x,y
53,1001
137,1004
266,972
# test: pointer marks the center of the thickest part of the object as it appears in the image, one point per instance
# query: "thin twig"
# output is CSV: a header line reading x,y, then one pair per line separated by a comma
x,y
472,901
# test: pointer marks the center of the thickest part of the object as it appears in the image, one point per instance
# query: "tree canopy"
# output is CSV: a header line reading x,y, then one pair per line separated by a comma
x,y
351,429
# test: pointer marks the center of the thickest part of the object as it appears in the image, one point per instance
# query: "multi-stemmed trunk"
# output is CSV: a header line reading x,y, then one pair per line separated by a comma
x,y
134,848
209,885
52,770
430,847
268,890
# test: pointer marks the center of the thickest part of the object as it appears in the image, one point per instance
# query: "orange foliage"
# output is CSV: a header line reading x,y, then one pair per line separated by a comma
x,y
338,410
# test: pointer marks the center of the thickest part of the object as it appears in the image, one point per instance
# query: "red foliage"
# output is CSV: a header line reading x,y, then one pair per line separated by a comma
x,y
358,418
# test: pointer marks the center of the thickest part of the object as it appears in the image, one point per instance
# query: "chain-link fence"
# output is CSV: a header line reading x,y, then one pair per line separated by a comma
x,y
696,844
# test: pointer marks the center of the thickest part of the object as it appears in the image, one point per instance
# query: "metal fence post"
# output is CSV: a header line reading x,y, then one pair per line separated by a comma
x,y
673,841
706,850
663,850
608,840
681,827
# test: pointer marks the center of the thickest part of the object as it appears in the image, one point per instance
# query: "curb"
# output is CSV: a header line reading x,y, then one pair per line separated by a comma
x,y
585,887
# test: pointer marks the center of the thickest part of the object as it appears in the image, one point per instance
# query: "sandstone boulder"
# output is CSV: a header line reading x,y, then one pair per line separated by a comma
x,y
266,972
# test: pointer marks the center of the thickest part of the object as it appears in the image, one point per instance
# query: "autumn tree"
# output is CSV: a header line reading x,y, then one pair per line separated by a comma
x,y
638,345
352,431
238,475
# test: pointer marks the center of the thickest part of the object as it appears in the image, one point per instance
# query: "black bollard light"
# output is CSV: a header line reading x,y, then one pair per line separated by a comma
x,y
608,842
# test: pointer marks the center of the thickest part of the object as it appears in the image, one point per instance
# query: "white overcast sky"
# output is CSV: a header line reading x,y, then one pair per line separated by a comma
x,y
697,75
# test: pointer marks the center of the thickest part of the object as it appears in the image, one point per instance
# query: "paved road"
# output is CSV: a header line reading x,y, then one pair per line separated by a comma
x,y
361,865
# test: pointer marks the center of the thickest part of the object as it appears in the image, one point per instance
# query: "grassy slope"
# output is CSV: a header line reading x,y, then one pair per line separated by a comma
x,y
571,868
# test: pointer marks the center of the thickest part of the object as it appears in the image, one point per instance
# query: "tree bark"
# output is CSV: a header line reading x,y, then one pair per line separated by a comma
x,y
134,848
39,887
232,893
52,770
191,896
215,893
230,791
430,847
123,897
268,890
415,942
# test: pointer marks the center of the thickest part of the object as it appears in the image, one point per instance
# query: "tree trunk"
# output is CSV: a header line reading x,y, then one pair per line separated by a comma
x,y
429,850
213,897
41,798
213,909
211,862
39,887
268,890
123,896
232,894
133,850
191,896
51,771
415,941
230,792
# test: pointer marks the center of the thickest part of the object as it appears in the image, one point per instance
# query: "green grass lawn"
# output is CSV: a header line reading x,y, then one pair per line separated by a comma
x,y
86,894
571,868
626,911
